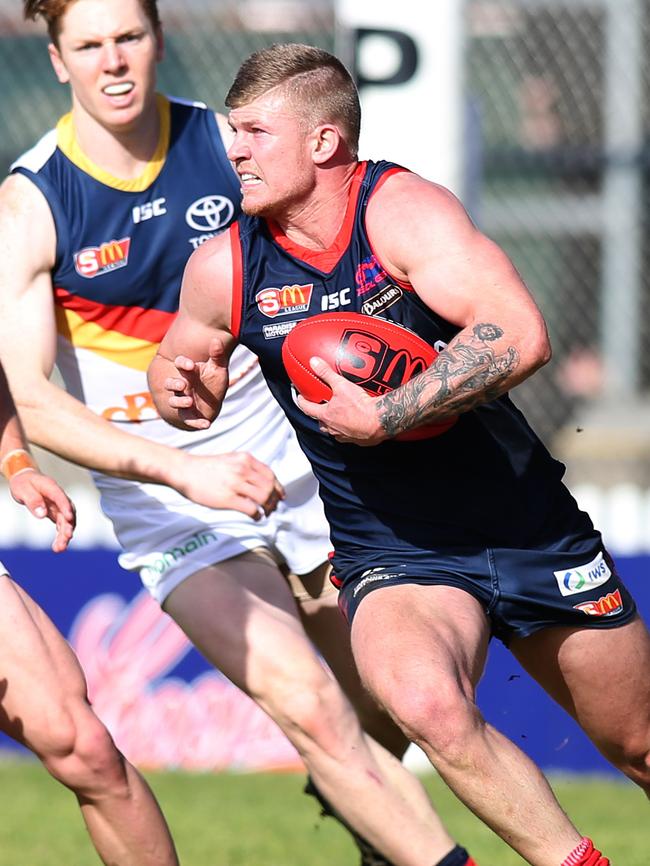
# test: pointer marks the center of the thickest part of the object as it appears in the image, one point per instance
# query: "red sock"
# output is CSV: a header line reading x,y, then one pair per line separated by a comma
x,y
585,854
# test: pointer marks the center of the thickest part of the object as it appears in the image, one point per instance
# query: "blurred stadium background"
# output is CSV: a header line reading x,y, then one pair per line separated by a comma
x,y
536,112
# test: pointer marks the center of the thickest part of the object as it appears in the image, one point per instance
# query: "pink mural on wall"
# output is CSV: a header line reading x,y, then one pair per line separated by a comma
x,y
128,651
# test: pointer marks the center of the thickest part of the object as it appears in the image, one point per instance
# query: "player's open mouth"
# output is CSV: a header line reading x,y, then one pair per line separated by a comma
x,y
118,89
248,179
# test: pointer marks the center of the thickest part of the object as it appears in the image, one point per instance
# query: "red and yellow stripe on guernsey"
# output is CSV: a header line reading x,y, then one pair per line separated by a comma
x,y
124,335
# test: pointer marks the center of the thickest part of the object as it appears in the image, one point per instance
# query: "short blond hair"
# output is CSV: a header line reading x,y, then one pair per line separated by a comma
x,y
316,82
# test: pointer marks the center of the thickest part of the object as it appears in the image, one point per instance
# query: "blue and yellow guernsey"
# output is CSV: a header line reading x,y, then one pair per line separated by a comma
x,y
121,249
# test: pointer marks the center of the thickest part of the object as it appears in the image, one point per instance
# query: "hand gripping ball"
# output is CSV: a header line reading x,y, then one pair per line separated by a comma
x,y
374,353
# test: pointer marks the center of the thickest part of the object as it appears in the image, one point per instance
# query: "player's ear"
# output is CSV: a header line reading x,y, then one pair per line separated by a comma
x,y
326,140
59,66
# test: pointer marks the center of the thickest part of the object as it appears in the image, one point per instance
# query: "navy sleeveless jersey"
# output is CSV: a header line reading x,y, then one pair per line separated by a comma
x,y
122,245
488,481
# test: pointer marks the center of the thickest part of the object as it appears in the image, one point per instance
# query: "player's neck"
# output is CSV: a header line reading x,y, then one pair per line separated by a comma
x,y
315,223
122,152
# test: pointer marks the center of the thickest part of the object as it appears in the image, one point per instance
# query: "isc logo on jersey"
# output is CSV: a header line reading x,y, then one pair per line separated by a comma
x,y
572,581
94,261
285,301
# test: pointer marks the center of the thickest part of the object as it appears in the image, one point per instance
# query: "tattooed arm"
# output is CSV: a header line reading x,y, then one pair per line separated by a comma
x,y
422,235
469,281
467,373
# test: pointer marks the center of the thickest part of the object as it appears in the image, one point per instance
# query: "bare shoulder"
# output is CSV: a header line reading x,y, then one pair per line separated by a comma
x,y
26,221
212,261
409,218
20,198
409,198
208,278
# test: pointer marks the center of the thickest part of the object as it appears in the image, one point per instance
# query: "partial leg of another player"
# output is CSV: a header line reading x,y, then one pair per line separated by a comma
x,y
328,630
602,678
241,615
421,650
43,705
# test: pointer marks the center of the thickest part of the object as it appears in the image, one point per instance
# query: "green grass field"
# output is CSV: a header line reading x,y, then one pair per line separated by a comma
x,y
264,820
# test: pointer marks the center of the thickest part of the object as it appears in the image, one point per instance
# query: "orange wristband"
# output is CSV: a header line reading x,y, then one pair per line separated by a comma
x,y
15,462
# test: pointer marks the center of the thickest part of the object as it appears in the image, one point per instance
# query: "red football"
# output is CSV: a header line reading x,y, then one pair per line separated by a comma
x,y
374,353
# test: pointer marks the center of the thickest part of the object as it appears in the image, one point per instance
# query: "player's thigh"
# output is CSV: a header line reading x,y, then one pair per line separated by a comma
x,y
241,615
424,642
41,681
328,629
600,676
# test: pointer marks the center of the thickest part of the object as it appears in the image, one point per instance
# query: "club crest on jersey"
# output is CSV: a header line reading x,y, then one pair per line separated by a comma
x,y
94,261
369,275
285,301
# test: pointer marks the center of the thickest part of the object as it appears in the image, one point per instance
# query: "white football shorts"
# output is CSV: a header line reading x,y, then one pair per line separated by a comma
x,y
166,538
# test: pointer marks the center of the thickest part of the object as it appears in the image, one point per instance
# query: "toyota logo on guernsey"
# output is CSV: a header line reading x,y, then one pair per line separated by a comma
x,y
210,213
93,261
572,581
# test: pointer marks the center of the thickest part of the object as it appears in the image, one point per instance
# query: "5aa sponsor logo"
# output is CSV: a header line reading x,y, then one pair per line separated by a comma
x,y
94,261
606,605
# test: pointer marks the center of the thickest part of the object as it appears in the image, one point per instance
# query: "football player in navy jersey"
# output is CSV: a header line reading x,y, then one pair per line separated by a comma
x,y
44,704
438,543
97,221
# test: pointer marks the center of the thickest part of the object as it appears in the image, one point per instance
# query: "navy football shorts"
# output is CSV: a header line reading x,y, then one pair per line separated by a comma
x,y
570,582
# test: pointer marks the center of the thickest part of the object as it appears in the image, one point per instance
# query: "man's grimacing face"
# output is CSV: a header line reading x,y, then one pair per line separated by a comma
x,y
272,154
107,52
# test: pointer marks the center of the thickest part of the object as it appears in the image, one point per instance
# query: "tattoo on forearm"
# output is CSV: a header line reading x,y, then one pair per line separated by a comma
x,y
468,372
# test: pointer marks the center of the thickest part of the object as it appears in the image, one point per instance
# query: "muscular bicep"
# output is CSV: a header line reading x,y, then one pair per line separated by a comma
x,y
27,316
458,272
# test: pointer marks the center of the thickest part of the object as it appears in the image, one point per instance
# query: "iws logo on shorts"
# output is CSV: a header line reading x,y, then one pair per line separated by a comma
x,y
286,301
606,605
575,580
94,261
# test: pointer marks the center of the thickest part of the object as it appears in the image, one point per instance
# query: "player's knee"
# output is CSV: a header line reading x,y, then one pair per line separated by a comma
x,y
439,719
317,717
632,756
83,756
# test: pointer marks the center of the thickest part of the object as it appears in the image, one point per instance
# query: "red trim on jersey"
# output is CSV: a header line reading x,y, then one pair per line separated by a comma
x,y
237,280
389,173
325,260
398,169
138,322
